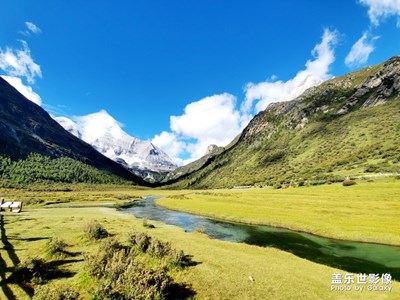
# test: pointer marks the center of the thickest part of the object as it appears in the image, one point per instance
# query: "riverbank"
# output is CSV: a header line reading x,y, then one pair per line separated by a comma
x,y
222,269
366,212
357,257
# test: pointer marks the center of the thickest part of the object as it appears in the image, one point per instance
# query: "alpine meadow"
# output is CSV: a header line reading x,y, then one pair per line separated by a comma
x,y
115,185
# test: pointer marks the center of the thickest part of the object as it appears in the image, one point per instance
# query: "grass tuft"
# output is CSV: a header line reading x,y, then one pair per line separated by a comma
x,y
348,182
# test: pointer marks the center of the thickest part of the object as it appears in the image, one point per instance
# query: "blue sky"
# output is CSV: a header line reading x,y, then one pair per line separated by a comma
x,y
187,73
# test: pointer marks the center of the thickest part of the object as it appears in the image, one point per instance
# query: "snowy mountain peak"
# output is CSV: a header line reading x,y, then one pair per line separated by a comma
x,y
105,134
69,125
97,125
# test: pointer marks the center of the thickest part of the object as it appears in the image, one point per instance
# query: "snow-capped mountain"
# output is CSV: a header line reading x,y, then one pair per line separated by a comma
x,y
105,134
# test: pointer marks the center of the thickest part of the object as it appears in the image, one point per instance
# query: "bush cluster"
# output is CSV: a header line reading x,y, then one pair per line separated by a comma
x,y
33,270
120,275
156,248
139,240
95,231
59,291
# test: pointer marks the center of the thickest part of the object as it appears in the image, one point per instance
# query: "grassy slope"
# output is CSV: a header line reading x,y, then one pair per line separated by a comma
x,y
359,142
368,211
222,272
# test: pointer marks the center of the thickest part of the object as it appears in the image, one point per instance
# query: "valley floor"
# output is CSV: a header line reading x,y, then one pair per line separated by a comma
x,y
221,269
368,211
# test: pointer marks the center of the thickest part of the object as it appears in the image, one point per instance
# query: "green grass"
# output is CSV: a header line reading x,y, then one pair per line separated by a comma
x,y
368,211
72,194
222,269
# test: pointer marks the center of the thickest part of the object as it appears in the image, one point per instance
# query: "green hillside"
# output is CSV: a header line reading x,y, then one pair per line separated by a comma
x,y
38,168
348,126
26,128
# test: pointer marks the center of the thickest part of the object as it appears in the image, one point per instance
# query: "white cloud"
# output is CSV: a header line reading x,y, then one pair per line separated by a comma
x,y
23,89
32,28
211,120
55,109
316,72
379,10
170,144
361,50
215,119
18,62
213,116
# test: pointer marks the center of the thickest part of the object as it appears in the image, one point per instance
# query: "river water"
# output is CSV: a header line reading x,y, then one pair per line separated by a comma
x,y
350,256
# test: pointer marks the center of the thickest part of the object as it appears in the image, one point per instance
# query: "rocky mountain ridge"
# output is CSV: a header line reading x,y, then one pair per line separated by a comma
x,y
346,125
369,87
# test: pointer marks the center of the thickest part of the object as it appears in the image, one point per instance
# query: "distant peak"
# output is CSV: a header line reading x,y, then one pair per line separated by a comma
x,y
102,116
105,134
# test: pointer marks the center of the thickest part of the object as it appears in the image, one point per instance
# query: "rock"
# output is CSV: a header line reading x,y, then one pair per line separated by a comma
x,y
303,123
211,148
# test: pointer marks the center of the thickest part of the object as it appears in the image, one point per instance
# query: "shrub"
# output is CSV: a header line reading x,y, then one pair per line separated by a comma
x,y
147,224
105,252
32,270
277,185
139,240
56,246
58,291
141,282
94,230
348,182
301,182
110,245
159,249
336,178
120,276
371,168
179,259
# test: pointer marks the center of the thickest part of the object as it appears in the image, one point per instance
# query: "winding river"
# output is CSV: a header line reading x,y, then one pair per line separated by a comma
x,y
350,256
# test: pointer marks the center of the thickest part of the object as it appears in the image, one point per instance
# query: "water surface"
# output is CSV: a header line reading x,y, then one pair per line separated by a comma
x,y
354,257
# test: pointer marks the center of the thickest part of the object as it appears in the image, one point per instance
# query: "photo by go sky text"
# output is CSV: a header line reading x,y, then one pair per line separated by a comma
x,y
362,281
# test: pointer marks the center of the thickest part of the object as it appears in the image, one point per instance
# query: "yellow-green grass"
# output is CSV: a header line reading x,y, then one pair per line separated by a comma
x,y
368,211
81,194
222,270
